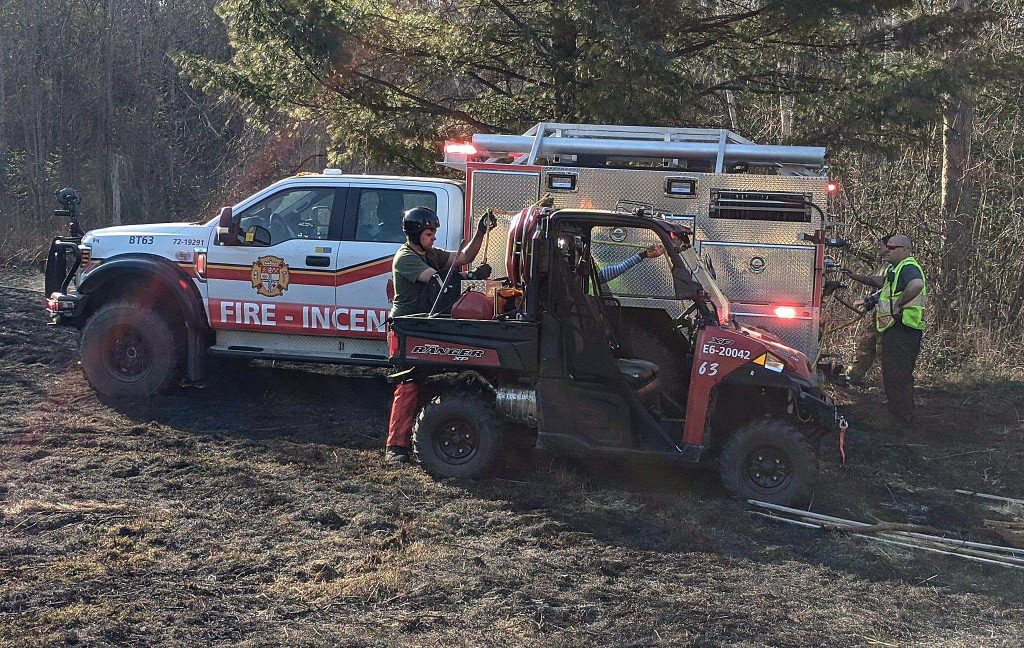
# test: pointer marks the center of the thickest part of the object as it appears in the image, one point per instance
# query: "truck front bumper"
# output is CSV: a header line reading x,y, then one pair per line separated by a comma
x,y
63,310
61,307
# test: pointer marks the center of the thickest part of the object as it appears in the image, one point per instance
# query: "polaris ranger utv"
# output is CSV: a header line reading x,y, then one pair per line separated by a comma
x,y
544,350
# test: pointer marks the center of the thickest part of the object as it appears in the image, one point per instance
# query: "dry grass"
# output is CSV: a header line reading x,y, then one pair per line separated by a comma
x,y
256,512
24,242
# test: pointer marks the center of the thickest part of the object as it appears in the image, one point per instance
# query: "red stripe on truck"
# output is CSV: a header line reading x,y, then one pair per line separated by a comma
x,y
305,277
298,319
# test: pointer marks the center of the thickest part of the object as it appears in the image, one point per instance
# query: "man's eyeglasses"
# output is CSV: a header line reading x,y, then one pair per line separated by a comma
x,y
893,247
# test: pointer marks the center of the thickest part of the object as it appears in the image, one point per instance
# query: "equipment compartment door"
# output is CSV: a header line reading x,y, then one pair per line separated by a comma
x,y
288,286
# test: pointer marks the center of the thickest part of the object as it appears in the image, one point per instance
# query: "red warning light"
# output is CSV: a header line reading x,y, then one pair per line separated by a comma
x,y
832,187
785,312
459,148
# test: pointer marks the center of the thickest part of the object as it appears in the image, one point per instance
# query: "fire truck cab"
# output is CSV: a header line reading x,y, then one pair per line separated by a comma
x,y
297,271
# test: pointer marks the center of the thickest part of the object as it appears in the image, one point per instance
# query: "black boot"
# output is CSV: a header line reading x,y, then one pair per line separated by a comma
x,y
396,455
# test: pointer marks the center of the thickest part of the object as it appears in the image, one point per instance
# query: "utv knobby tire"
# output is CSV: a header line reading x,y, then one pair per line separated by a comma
x,y
750,460
459,434
131,352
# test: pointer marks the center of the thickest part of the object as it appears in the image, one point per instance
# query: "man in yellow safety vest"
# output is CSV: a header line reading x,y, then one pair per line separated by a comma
x,y
899,320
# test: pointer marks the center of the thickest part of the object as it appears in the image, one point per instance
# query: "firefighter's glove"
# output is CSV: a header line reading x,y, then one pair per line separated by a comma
x,y
487,221
654,251
483,271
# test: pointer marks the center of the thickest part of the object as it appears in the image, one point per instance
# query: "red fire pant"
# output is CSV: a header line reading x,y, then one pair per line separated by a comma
x,y
403,414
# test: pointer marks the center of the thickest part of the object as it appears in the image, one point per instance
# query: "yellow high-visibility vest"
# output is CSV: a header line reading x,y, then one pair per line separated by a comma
x,y
912,313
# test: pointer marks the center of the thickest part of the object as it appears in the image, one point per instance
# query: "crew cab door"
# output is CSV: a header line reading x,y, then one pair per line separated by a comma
x,y
277,288
371,235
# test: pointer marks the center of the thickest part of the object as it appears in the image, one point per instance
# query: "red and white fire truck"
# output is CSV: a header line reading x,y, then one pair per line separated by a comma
x,y
300,270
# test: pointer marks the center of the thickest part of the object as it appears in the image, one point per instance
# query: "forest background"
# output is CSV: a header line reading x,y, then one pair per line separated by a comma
x,y
162,110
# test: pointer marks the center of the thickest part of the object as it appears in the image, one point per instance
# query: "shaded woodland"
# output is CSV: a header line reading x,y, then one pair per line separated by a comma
x,y
163,109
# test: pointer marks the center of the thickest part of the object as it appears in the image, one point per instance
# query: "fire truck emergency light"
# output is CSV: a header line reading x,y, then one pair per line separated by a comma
x,y
785,312
832,187
459,148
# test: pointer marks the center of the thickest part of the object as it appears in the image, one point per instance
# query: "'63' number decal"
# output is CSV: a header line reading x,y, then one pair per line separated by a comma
x,y
708,369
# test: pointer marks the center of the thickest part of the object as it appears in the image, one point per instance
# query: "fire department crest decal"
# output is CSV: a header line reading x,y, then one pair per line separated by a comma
x,y
270,276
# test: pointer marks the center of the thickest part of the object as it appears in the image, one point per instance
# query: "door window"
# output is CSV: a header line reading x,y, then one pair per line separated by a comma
x,y
615,252
379,213
300,213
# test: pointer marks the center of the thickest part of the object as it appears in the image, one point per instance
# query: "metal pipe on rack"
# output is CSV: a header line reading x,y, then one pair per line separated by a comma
x,y
751,153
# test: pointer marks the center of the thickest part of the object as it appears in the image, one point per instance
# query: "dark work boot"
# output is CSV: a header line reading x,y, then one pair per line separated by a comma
x,y
396,455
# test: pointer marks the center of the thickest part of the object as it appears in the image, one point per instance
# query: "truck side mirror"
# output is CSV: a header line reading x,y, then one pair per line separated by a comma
x,y
257,236
227,228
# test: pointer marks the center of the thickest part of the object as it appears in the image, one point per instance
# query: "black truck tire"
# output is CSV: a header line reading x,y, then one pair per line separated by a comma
x,y
131,352
459,434
769,460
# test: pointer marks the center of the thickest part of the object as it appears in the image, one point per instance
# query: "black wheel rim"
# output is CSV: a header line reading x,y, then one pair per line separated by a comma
x,y
127,354
768,468
456,441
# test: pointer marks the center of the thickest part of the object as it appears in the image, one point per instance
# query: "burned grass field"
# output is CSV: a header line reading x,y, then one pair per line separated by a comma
x,y
256,511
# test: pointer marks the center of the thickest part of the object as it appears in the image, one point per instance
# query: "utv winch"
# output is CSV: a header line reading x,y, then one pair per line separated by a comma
x,y
543,353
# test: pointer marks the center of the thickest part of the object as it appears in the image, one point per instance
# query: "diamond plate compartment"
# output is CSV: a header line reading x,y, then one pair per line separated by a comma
x,y
727,229
507,193
801,332
760,273
623,189
630,188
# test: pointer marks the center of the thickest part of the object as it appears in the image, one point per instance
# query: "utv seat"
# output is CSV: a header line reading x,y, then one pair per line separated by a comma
x,y
640,374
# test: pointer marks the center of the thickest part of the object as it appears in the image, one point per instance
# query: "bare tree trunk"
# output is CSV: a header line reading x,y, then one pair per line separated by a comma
x,y
957,126
34,119
786,103
3,108
730,102
115,191
108,113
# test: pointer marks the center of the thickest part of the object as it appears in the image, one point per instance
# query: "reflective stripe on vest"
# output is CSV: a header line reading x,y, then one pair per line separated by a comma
x,y
912,313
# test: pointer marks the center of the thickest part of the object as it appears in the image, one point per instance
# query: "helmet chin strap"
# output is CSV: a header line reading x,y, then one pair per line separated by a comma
x,y
415,245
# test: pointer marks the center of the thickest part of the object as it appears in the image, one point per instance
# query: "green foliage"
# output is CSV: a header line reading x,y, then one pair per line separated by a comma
x,y
389,81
